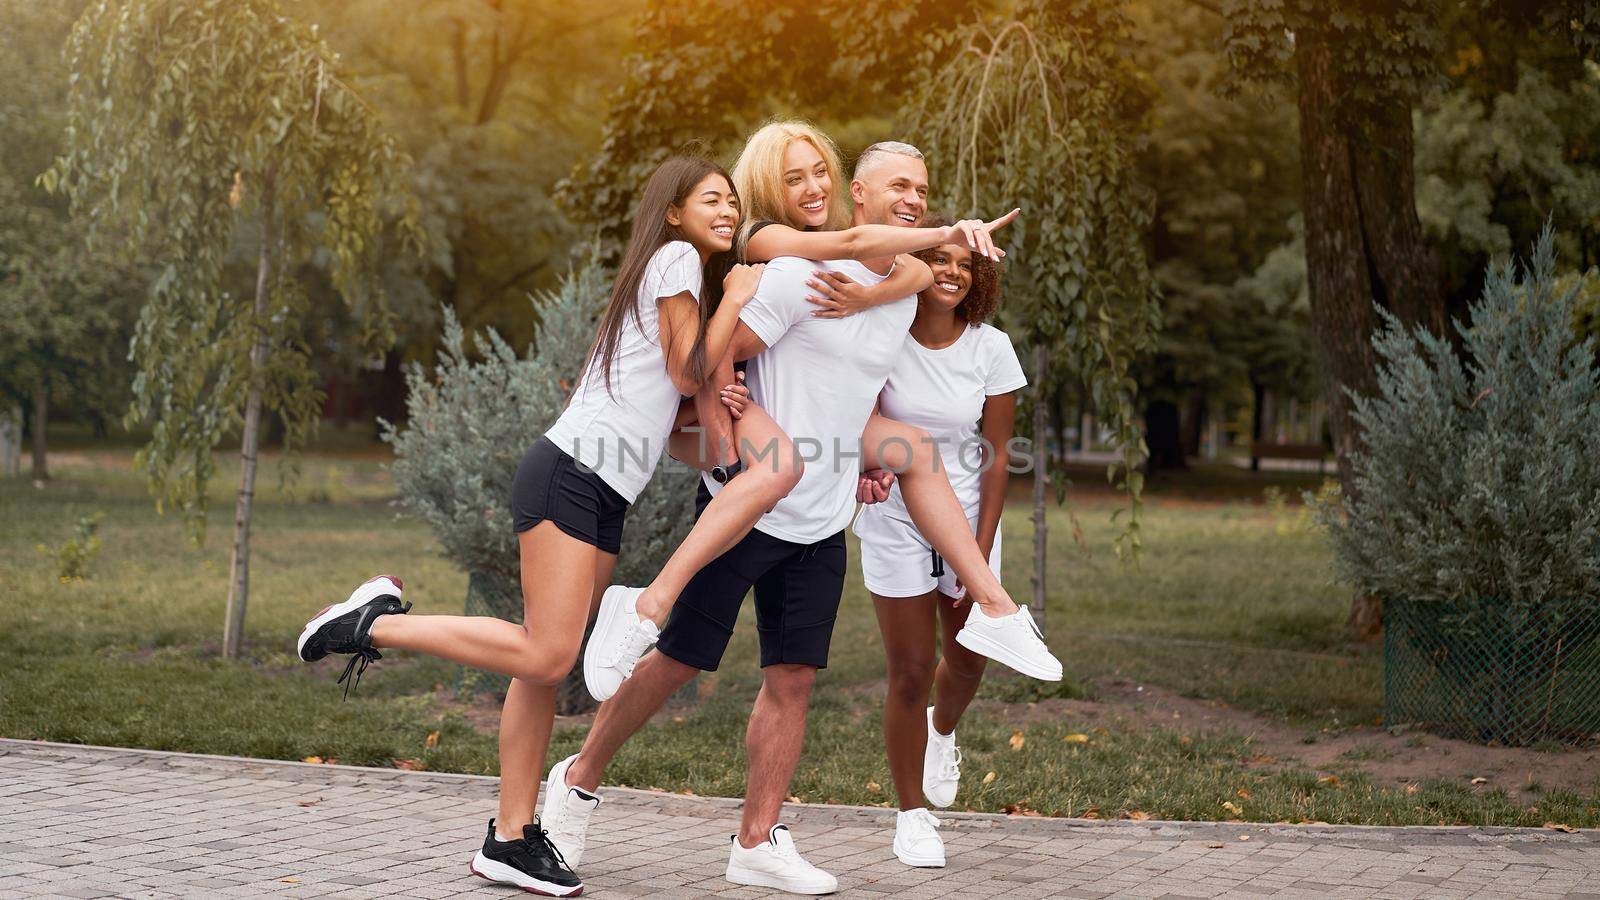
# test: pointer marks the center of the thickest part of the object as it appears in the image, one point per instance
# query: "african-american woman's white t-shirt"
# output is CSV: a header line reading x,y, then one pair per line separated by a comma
x,y
621,434
942,392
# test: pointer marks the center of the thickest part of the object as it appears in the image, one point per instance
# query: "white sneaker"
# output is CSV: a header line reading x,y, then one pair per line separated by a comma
x,y
619,639
775,863
941,766
1013,640
565,813
916,839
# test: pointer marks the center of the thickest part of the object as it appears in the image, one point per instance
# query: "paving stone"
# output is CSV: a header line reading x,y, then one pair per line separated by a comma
x,y
176,825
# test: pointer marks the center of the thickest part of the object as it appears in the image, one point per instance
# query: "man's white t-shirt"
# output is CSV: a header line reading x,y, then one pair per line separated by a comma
x,y
818,379
622,433
942,392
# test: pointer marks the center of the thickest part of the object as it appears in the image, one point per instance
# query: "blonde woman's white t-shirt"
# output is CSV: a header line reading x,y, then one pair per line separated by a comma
x,y
622,433
942,392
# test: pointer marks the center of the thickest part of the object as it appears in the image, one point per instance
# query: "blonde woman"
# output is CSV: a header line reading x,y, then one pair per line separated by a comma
x,y
787,175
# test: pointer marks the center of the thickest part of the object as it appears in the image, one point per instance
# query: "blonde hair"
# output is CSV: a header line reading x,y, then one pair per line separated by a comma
x,y
758,176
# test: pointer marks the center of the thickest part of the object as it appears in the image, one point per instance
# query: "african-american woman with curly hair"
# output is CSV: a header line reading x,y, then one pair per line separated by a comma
x,y
957,379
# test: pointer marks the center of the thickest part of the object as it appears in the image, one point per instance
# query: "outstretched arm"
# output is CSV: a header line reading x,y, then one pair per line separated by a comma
x,y
873,241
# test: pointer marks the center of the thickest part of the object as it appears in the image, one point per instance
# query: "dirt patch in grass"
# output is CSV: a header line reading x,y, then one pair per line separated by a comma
x,y
1388,757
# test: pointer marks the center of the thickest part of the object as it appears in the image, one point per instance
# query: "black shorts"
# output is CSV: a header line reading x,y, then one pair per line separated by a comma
x,y
550,484
798,587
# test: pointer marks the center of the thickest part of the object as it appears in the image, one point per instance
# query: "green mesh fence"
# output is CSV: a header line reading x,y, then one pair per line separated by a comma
x,y
1494,672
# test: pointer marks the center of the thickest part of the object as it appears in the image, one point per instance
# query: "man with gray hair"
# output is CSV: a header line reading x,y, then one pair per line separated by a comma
x,y
819,378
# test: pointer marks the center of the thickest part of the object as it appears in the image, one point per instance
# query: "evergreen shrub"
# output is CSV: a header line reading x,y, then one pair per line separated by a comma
x,y
1476,518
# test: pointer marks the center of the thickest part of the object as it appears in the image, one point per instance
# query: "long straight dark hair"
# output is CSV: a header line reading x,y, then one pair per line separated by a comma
x,y
669,186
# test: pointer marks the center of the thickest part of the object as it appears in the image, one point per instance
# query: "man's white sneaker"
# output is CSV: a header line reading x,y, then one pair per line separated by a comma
x,y
916,839
775,863
619,639
1014,640
565,813
941,766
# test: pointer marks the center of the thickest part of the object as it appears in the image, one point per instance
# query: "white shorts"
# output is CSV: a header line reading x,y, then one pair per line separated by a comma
x,y
896,561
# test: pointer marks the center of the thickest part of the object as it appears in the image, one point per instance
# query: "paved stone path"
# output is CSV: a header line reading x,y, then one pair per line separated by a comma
x,y
99,822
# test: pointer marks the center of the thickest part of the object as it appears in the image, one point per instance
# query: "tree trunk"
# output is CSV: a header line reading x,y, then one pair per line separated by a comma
x,y
1258,412
1194,424
1041,480
41,413
1363,245
249,449
1163,435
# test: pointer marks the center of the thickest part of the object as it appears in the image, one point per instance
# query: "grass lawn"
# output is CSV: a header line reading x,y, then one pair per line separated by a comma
x,y
1231,614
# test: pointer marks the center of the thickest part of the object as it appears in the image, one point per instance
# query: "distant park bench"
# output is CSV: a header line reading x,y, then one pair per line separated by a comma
x,y
1262,450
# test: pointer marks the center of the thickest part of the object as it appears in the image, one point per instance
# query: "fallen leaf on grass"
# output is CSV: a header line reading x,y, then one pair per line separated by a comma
x,y
1561,827
1185,740
411,765
1017,740
1232,807
311,802
1076,739
1102,732
1092,812
1480,780
1244,794
792,799
1139,815
989,778
1328,781
874,787
432,741
314,760
1261,760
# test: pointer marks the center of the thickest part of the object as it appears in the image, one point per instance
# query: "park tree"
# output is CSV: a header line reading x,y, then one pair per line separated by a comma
x,y
1041,108
1358,70
493,99
689,86
197,127
67,309
1225,174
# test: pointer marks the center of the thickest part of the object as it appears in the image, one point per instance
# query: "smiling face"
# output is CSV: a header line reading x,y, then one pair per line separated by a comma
x,y
952,276
708,215
806,184
892,191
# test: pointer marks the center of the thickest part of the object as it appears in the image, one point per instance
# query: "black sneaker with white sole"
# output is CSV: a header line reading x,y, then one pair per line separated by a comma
x,y
345,627
530,862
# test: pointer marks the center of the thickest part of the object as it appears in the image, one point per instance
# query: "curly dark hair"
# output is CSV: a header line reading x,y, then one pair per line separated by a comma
x,y
983,298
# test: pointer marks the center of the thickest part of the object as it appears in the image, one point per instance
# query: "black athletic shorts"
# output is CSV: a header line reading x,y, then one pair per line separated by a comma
x,y
798,587
550,484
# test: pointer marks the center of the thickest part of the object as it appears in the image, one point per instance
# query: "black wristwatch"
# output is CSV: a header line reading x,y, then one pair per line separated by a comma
x,y
723,474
